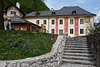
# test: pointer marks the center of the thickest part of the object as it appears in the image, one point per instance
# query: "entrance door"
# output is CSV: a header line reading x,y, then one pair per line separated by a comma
x,y
60,32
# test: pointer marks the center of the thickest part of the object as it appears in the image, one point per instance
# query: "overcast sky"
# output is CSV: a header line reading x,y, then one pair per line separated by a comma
x,y
90,5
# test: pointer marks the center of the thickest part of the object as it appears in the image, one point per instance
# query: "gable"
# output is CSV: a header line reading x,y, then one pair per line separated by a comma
x,y
11,11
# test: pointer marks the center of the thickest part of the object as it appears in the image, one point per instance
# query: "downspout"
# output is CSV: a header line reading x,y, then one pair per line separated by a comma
x,y
48,24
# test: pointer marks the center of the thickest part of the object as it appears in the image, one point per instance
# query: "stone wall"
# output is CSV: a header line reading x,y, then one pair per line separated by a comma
x,y
94,43
52,59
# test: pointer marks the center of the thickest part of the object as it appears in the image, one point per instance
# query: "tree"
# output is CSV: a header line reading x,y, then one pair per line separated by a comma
x,y
98,17
1,14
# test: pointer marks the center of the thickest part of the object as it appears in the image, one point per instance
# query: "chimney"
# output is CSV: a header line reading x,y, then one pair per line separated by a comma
x,y
18,4
52,9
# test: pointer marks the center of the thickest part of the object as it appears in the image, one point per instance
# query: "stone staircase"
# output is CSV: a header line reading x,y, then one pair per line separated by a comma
x,y
76,51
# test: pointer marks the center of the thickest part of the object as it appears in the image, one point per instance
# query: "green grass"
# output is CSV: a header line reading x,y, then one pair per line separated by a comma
x,y
24,44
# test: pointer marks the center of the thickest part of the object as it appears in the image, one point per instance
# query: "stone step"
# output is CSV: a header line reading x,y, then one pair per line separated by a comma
x,y
78,61
76,65
78,57
76,43
76,46
83,54
77,39
69,44
78,51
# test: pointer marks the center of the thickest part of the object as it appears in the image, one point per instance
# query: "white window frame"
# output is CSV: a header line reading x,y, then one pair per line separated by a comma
x,y
83,20
62,22
73,21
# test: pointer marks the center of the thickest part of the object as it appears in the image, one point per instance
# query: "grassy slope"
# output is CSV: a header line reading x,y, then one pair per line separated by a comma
x,y
20,44
29,5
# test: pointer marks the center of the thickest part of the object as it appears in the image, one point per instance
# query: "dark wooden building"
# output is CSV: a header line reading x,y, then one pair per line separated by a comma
x,y
18,23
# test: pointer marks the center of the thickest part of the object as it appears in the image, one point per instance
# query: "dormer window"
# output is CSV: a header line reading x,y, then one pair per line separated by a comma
x,y
53,13
74,12
13,12
37,13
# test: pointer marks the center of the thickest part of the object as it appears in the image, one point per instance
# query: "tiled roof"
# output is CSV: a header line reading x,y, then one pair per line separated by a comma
x,y
65,11
17,19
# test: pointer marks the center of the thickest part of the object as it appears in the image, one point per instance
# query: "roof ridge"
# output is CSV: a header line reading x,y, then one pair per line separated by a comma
x,y
71,6
65,11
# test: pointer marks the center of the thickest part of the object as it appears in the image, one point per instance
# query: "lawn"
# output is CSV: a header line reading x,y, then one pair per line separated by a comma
x,y
24,44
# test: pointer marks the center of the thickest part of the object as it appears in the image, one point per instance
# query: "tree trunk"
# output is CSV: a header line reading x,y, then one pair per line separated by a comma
x,y
1,14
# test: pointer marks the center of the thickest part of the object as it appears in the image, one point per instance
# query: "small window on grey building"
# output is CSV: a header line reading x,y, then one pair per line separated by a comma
x,y
81,31
37,21
13,12
61,21
81,21
71,21
71,31
45,22
53,21
52,31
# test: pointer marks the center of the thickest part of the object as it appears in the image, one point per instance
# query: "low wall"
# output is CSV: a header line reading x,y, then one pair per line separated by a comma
x,y
94,43
52,59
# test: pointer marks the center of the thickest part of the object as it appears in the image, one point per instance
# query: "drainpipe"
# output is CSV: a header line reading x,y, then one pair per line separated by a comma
x,y
48,24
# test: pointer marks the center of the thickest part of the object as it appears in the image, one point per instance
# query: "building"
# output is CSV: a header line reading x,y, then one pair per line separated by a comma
x,y
12,10
73,21
14,20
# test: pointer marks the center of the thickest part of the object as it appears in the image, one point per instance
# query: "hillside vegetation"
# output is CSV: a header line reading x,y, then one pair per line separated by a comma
x,y
24,44
28,5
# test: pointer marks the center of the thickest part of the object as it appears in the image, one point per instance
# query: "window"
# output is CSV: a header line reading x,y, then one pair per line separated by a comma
x,y
53,21
52,31
81,21
61,21
81,31
44,22
71,31
53,13
61,32
13,12
71,21
21,28
37,21
74,12
37,13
